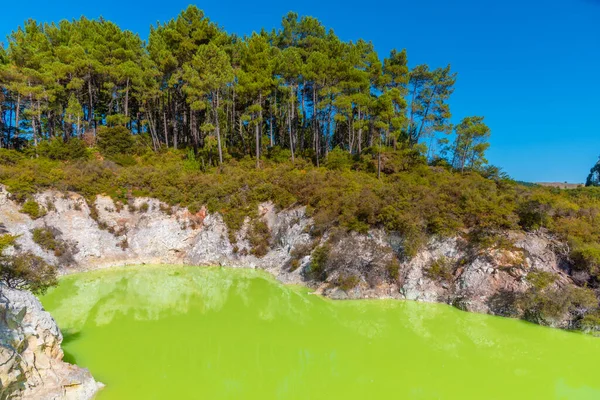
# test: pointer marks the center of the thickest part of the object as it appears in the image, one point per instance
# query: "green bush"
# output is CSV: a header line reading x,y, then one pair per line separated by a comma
x,y
33,209
590,323
25,271
124,160
534,215
115,140
57,149
6,241
545,302
279,155
338,159
10,157
318,262
540,280
47,240
259,237
348,282
393,270
586,257
440,269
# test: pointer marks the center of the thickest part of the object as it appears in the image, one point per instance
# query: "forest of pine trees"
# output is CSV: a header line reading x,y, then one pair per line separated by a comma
x,y
191,85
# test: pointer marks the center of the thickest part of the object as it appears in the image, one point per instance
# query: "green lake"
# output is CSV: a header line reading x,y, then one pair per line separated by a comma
x,y
167,332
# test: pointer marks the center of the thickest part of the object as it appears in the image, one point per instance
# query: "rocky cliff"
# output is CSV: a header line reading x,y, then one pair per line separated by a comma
x,y
31,365
367,265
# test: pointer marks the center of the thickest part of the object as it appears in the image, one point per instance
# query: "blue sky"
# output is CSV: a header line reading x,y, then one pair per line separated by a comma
x,y
531,67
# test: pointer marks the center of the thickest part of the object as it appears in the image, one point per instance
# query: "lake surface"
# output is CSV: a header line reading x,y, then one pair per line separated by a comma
x,y
166,332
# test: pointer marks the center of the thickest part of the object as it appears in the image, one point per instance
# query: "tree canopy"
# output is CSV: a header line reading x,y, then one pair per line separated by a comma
x,y
299,87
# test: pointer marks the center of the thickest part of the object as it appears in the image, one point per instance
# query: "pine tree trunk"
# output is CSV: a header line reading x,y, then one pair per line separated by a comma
x,y
289,118
217,128
91,110
127,99
271,123
257,146
175,136
10,119
327,134
379,163
315,124
359,131
292,120
17,114
165,127
260,113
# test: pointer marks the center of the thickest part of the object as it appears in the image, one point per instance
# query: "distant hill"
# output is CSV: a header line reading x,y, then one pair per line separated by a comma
x,y
561,185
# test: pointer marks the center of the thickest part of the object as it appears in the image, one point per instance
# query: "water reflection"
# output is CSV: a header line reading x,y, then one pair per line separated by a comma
x,y
239,334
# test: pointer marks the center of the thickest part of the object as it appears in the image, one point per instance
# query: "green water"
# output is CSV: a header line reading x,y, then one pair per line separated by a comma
x,y
209,333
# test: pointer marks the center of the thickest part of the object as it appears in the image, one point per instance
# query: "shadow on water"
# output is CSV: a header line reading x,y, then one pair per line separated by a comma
x,y
69,357
69,337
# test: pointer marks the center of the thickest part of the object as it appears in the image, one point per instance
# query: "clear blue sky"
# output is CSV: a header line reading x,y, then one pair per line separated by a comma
x,y
531,67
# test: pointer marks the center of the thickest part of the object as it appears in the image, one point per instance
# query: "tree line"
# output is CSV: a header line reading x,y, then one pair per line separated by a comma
x,y
298,88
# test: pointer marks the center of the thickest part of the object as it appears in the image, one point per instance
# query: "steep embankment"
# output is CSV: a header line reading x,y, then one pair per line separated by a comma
x,y
354,266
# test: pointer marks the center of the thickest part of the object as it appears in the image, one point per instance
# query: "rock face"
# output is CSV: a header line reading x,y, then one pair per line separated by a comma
x,y
31,365
372,265
148,231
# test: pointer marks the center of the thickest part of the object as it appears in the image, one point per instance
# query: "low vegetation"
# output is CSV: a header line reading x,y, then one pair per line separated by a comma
x,y
546,302
318,262
440,269
418,202
33,209
25,271
259,238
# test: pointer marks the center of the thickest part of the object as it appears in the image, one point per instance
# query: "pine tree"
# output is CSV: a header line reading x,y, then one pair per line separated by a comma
x,y
207,75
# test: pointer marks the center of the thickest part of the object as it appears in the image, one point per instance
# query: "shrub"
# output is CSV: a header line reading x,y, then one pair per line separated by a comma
x,y
166,209
25,271
144,207
545,302
123,244
338,159
533,215
58,149
586,257
44,238
33,209
541,280
294,264
10,157
6,241
440,269
279,155
393,269
590,323
115,140
259,237
124,160
302,250
318,262
50,205
348,282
